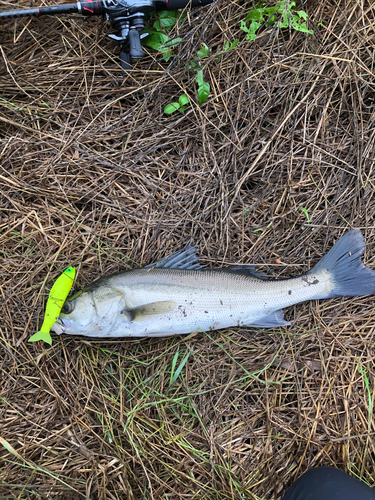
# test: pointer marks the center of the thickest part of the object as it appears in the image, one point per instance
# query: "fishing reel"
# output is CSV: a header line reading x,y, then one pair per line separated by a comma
x,y
127,17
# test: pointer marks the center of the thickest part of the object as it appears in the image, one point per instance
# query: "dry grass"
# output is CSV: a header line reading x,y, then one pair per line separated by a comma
x,y
94,175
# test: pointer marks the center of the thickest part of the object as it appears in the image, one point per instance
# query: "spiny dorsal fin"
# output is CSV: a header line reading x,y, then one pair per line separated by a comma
x,y
188,259
182,259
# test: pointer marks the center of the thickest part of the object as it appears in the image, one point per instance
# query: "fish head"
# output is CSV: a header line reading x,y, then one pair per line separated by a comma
x,y
90,312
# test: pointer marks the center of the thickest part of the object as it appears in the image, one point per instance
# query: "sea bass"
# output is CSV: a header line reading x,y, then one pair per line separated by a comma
x,y
177,295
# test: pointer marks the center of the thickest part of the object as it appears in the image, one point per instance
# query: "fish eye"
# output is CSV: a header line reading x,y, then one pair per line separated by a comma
x,y
68,307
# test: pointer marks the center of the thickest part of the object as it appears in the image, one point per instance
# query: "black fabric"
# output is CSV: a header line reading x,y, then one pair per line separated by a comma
x,y
327,483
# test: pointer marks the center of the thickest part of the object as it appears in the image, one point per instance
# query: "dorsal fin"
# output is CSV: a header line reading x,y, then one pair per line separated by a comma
x,y
187,259
182,259
249,271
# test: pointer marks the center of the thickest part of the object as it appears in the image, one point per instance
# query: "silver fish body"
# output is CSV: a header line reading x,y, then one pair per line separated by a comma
x,y
176,296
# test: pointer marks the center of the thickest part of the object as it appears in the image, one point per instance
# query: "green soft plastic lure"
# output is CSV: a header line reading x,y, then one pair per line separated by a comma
x,y
56,299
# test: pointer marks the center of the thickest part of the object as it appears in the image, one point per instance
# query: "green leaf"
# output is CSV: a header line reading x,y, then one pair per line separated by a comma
x,y
203,92
156,25
243,27
303,209
183,100
172,42
193,65
254,26
255,15
251,30
199,77
167,19
369,392
167,54
204,51
297,25
232,45
171,108
302,14
269,11
174,362
179,369
9,447
282,15
155,40
167,24
203,88
303,29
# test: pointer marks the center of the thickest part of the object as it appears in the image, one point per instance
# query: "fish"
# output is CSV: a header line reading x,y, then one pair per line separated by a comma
x,y
176,295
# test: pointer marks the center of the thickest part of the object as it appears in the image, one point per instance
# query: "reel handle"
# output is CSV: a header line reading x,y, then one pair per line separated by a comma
x,y
125,61
135,47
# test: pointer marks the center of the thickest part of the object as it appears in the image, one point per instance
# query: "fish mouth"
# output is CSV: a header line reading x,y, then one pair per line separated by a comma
x,y
60,326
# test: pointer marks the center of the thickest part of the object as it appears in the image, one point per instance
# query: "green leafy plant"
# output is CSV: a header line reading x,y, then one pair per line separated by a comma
x,y
195,65
368,389
183,101
227,46
203,87
282,15
158,38
230,46
175,373
304,210
204,51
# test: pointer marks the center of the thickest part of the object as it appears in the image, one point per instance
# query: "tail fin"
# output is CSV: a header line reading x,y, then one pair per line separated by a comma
x,y
351,278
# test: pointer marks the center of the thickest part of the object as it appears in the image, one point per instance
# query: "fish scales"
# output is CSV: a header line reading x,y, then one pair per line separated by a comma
x,y
177,296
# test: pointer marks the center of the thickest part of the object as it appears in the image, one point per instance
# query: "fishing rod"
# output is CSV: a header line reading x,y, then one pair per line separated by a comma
x,y
127,17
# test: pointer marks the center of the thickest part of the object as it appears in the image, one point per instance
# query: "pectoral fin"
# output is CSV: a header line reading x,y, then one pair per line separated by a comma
x,y
272,320
152,309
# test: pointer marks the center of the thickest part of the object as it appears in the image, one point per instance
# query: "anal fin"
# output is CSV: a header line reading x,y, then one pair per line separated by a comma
x,y
272,320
